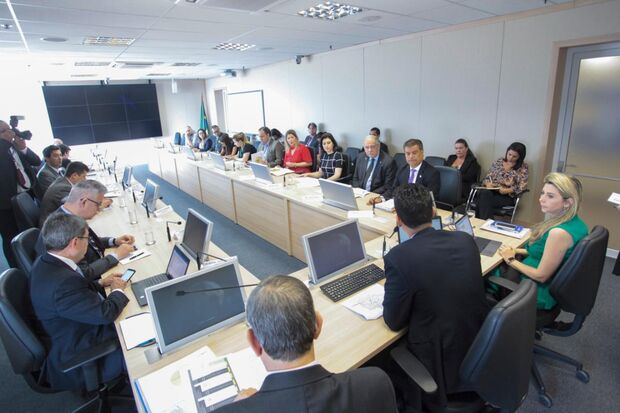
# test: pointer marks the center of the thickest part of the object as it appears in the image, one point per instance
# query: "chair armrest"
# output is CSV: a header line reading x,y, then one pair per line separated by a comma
x,y
503,282
414,369
91,354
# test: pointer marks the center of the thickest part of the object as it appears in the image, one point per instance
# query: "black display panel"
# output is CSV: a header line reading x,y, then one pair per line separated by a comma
x,y
102,113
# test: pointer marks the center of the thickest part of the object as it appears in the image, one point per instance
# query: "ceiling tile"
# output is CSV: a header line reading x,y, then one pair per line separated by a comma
x,y
453,14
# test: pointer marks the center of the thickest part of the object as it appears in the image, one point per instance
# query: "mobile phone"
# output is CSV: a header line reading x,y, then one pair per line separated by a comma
x,y
128,274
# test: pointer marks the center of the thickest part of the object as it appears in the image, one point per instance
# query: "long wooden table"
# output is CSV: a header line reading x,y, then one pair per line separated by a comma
x,y
346,342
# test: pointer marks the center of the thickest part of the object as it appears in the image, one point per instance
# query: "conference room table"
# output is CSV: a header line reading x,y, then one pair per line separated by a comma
x,y
347,340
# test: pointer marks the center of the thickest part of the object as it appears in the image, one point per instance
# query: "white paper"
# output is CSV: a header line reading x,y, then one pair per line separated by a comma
x,y
368,303
281,171
359,214
614,198
247,368
386,205
488,226
137,256
137,330
305,182
359,192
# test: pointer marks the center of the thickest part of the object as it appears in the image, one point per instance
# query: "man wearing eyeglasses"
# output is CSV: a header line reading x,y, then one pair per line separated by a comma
x,y
17,176
84,200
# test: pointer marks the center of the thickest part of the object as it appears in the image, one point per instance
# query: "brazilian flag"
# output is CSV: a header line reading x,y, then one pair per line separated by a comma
x,y
204,122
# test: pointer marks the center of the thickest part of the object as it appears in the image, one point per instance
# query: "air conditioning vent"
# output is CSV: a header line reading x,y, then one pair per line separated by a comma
x,y
135,65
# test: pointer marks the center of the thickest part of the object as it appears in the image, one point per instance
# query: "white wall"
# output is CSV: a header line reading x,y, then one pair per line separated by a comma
x,y
177,110
488,82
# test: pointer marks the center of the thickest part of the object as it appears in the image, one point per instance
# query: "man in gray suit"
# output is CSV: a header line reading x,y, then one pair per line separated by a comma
x,y
270,150
60,188
49,171
374,169
282,328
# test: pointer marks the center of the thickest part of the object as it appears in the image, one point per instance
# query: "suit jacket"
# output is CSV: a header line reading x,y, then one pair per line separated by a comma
x,y
434,286
469,171
312,142
427,176
54,197
314,389
383,176
73,313
8,172
46,176
276,152
95,262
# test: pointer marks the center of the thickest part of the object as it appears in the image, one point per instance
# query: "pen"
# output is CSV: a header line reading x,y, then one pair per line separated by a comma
x,y
135,256
146,343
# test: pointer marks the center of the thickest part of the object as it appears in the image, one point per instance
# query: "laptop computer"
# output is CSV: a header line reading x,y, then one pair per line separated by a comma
x,y
402,235
338,195
486,246
190,153
261,173
177,267
220,163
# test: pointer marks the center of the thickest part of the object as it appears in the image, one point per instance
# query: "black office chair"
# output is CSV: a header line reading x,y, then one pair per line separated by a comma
x,y
23,246
352,153
497,364
347,172
435,160
26,211
313,167
508,211
27,353
450,192
400,160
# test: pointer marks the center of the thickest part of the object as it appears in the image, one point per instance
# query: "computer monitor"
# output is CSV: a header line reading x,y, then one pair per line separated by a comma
x,y
402,235
338,195
190,307
196,236
333,250
261,172
127,174
464,224
151,195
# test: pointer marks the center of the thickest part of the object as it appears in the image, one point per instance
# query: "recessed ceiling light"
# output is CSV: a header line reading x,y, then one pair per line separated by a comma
x,y
234,46
6,26
53,39
330,11
108,41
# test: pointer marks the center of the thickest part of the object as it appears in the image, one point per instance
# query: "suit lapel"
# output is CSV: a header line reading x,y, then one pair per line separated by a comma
x,y
95,243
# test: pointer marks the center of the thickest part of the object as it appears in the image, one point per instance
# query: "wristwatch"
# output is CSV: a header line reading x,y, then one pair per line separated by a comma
x,y
510,259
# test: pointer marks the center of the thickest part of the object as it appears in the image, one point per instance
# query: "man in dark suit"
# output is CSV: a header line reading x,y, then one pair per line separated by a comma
x,y
434,286
74,312
312,140
374,169
417,171
17,177
84,200
50,170
376,132
283,326
60,188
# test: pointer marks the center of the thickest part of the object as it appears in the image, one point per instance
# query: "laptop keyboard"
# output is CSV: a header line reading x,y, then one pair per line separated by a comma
x,y
154,280
353,282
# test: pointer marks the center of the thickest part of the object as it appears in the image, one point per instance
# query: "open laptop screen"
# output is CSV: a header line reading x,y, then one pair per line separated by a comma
x,y
151,195
193,306
464,224
402,235
331,250
177,266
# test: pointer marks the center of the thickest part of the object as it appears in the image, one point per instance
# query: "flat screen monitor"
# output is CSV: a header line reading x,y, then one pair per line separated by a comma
x,y
338,195
261,172
333,249
127,174
197,235
151,195
190,307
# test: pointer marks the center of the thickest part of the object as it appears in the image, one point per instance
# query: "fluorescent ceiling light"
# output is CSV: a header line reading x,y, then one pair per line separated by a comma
x,y
234,46
108,41
330,11
19,27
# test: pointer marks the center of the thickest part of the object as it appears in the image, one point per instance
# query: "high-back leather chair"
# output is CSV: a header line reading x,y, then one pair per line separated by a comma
x,y
574,286
435,160
497,365
26,352
451,187
26,211
23,246
347,172
352,153
400,160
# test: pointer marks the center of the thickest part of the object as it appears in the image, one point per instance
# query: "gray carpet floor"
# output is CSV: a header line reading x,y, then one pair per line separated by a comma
x,y
595,345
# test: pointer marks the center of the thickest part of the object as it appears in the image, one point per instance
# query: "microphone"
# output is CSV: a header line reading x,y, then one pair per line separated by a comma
x,y
385,238
201,254
206,290
168,228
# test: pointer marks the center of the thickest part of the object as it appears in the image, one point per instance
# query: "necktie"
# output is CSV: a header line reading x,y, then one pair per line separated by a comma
x,y
369,171
411,175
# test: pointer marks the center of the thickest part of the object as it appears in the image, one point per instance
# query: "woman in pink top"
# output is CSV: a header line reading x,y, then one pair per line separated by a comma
x,y
297,157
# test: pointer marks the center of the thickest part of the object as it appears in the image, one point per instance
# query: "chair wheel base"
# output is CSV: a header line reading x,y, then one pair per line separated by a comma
x,y
583,376
545,400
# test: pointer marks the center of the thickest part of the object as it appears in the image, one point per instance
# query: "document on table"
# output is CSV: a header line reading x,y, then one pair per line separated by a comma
x,y
138,329
200,382
136,255
614,198
386,205
519,232
359,192
281,171
368,303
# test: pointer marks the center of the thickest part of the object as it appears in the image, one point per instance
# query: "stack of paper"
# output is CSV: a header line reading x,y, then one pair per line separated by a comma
x,y
281,171
138,329
386,205
368,303
136,255
359,192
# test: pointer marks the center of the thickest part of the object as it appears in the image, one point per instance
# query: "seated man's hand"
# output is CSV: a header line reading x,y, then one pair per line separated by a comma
x,y
124,239
124,250
374,201
107,281
245,393
117,283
